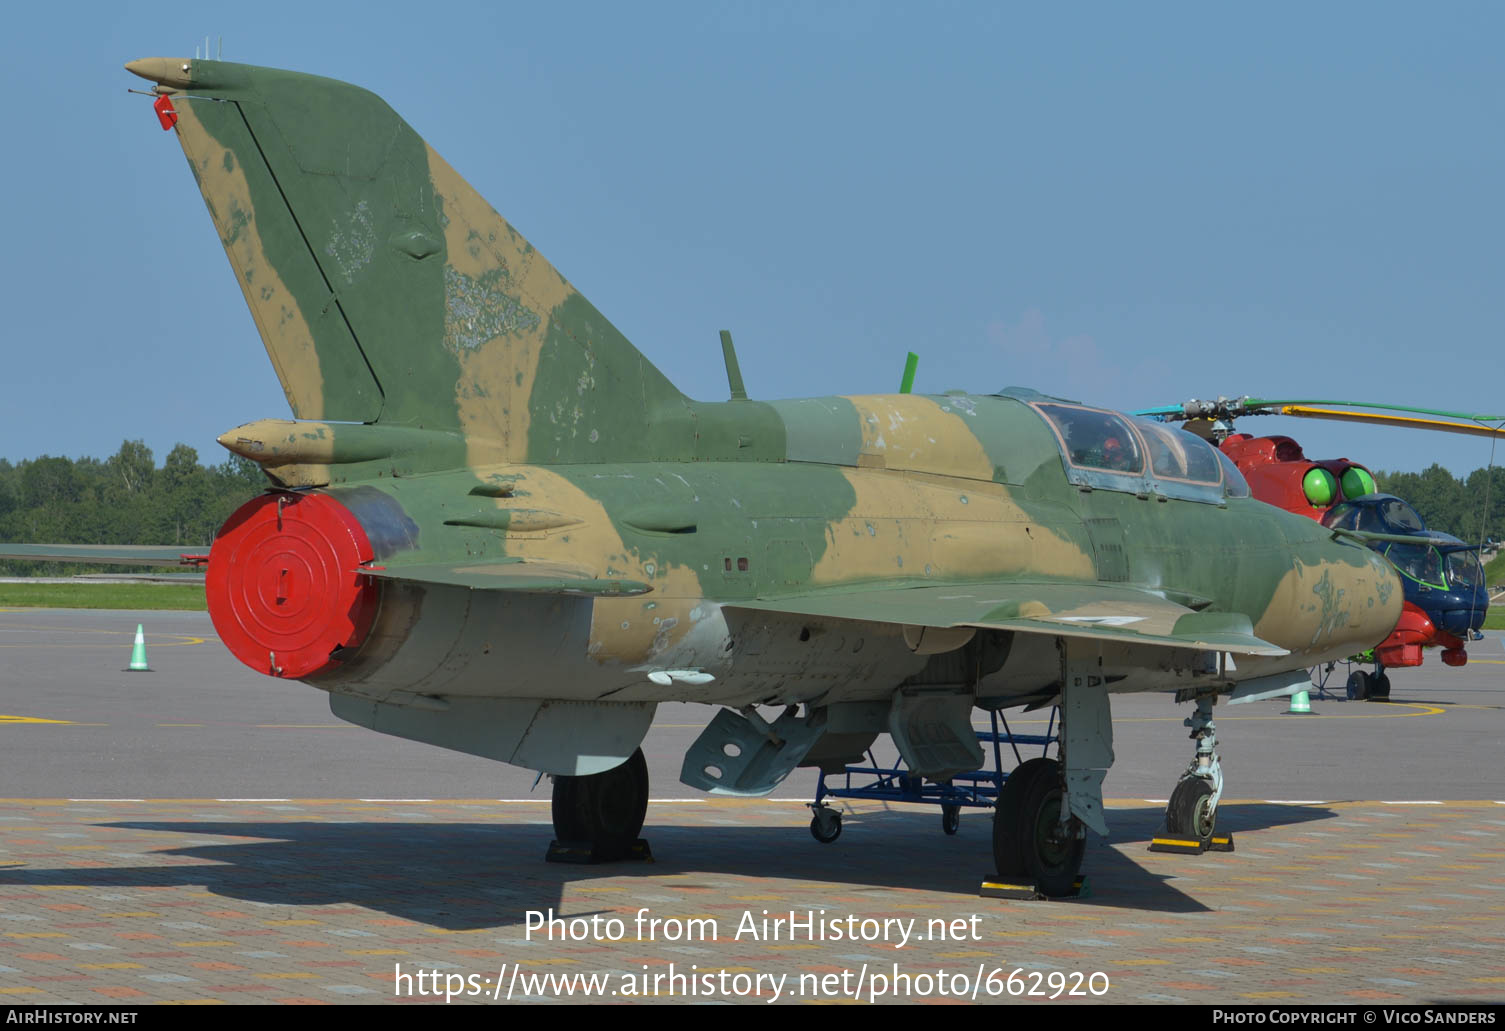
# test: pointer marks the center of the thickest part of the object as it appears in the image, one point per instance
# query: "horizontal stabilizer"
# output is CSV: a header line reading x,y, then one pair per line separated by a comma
x,y
525,577
1129,615
112,554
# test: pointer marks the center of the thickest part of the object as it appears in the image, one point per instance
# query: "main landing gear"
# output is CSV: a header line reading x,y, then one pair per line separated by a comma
x,y
597,819
1035,837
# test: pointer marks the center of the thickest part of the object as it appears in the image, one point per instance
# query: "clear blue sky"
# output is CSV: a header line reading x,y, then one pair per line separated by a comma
x,y
1127,204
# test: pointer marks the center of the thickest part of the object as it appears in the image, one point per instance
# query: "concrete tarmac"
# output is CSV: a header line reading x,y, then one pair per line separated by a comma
x,y
75,724
201,833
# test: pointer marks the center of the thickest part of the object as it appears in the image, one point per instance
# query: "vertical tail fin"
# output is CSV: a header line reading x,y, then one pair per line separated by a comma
x,y
386,289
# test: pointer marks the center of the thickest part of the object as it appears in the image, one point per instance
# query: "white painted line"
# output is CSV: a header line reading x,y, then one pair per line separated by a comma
x,y
1410,803
1294,801
1158,801
107,800
394,800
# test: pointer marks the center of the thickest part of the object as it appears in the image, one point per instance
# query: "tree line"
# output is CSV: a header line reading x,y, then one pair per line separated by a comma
x,y
123,499
1453,505
127,499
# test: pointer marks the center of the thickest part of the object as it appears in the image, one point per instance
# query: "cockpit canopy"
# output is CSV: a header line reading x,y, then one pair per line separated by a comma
x,y
1375,513
1104,449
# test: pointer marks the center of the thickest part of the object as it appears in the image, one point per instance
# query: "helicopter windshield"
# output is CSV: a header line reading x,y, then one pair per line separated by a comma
x,y
1464,569
1400,518
1419,562
1391,515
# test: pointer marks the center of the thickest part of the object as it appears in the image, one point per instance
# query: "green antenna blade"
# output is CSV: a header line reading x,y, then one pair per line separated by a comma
x,y
733,369
910,364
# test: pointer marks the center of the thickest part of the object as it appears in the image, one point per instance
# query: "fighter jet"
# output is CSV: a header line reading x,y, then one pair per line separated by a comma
x,y
495,526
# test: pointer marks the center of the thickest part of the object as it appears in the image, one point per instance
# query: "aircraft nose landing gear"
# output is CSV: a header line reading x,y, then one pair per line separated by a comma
x,y
1191,816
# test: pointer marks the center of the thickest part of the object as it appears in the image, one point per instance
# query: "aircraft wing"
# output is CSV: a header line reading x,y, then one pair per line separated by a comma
x,y
1128,615
528,577
113,554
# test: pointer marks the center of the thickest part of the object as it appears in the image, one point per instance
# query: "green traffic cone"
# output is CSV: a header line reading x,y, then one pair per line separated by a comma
x,y
1301,705
138,653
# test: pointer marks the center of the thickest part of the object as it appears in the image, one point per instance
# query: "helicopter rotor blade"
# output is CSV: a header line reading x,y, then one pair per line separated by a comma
x,y
1405,421
1229,408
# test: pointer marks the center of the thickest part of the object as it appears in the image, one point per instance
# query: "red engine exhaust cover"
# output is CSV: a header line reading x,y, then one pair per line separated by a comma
x,y
282,585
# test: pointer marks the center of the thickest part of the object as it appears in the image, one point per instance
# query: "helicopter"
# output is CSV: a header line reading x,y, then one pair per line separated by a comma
x,y
1442,579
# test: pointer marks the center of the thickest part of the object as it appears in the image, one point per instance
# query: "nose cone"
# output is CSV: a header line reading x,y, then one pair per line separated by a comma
x,y
1337,600
166,71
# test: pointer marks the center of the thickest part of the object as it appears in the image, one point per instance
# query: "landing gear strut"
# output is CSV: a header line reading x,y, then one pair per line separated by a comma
x,y
603,812
1193,808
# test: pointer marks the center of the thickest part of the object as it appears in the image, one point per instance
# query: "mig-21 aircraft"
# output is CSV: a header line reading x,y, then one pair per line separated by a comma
x,y
495,526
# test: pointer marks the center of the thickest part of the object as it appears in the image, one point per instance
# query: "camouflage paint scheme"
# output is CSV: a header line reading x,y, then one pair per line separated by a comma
x,y
572,523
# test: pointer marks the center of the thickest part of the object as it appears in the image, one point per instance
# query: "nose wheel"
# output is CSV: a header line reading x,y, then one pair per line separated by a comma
x,y
1192,812
1191,816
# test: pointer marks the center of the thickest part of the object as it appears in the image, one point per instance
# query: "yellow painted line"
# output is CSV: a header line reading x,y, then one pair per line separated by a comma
x,y
156,640
1425,710
305,726
31,719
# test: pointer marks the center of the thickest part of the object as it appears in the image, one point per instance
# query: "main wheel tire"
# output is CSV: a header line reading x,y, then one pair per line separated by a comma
x,y
1008,859
605,809
1052,851
1379,687
1190,813
1358,685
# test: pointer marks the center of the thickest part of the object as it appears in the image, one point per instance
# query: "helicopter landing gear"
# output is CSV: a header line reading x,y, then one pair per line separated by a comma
x,y
1365,686
597,819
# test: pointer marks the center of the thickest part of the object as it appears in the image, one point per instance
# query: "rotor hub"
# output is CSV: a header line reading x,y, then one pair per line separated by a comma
x,y
283,585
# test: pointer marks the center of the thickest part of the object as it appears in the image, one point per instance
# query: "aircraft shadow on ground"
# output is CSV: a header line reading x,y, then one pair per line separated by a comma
x,y
468,876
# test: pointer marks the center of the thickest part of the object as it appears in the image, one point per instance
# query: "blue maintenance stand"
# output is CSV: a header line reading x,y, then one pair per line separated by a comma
x,y
978,789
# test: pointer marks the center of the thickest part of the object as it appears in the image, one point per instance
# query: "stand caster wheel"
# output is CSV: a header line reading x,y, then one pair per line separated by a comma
x,y
825,825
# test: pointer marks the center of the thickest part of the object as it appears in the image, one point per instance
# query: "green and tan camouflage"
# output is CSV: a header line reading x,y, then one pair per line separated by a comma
x,y
560,538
